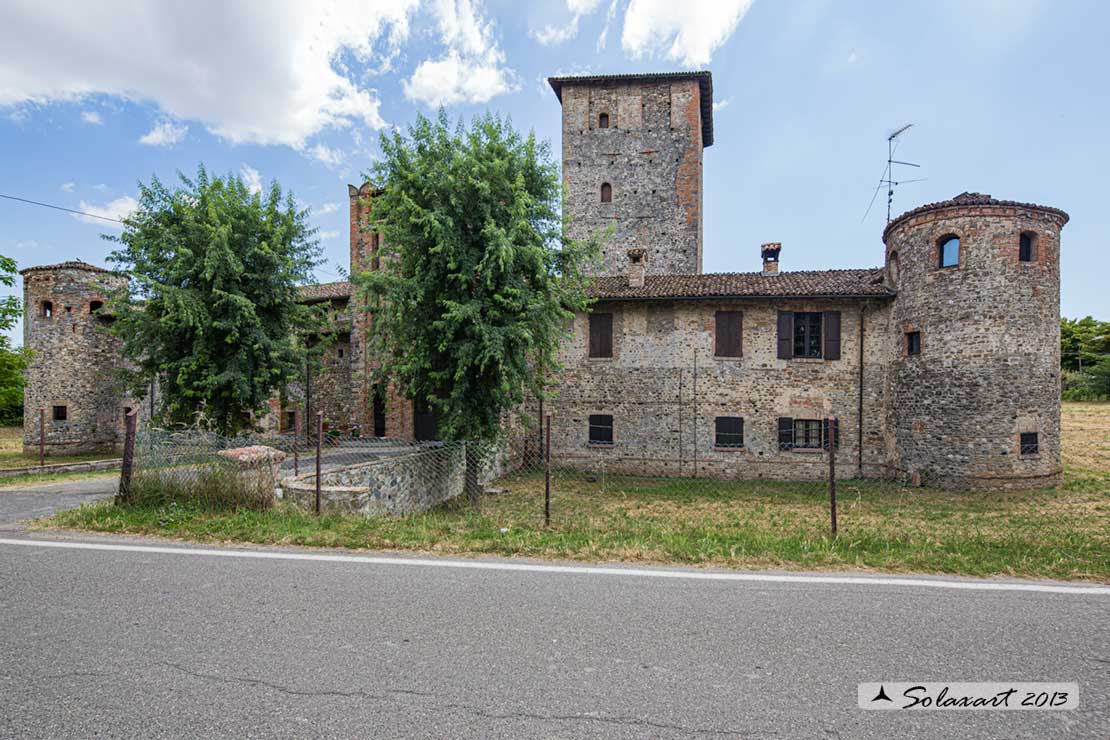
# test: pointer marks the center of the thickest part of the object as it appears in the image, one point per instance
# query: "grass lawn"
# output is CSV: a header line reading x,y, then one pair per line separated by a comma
x,y
11,452
1062,533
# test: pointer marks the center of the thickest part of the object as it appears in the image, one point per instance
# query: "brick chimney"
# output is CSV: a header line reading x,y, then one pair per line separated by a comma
x,y
636,267
770,252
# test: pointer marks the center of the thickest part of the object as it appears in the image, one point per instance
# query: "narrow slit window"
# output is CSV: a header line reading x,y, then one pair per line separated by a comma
x,y
601,429
949,249
1025,247
606,193
1030,443
603,120
728,432
913,343
47,309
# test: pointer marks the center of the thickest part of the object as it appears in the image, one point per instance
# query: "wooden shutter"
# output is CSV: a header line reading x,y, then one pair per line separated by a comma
x,y
831,330
786,335
786,433
601,335
728,337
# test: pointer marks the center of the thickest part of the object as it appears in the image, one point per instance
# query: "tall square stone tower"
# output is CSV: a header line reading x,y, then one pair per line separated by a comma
x,y
632,157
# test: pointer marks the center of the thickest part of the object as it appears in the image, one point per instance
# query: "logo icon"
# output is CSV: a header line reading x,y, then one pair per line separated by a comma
x,y
881,696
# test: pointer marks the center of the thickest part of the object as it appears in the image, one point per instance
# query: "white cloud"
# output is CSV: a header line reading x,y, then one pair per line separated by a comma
x,y
68,186
328,155
721,104
327,208
687,33
91,116
609,15
251,178
164,133
326,235
117,209
472,70
263,71
552,35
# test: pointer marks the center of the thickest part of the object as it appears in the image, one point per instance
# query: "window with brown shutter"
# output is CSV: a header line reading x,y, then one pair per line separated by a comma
x,y
601,335
832,335
786,335
727,338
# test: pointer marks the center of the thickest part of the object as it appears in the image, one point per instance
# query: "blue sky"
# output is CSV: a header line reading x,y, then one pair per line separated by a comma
x,y
1007,97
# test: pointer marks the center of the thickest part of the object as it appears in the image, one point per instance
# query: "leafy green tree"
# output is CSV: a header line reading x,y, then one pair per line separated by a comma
x,y
212,312
478,285
1083,342
13,361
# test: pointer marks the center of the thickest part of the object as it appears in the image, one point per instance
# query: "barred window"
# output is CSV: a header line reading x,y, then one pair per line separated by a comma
x,y
601,429
1030,443
729,431
808,434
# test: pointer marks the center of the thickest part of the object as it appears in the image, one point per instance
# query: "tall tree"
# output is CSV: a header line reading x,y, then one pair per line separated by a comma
x,y
1083,342
13,361
478,286
212,312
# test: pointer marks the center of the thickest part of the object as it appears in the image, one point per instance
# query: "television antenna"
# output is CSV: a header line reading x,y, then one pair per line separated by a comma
x,y
888,178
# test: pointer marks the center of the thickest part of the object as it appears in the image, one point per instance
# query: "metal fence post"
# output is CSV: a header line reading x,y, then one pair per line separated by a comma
x,y
319,445
42,437
830,443
296,445
547,472
127,466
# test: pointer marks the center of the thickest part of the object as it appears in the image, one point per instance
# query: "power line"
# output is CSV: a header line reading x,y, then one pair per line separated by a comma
x,y
60,208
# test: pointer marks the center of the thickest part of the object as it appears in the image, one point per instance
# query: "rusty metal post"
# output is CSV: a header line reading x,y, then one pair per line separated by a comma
x,y
547,472
830,442
319,445
42,437
127,466
296,436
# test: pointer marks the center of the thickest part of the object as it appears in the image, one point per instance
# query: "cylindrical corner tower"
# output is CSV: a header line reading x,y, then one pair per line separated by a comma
x,y
72,372
975,380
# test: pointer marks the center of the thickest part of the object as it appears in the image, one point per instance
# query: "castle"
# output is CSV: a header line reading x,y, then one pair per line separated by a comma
x,y
941,366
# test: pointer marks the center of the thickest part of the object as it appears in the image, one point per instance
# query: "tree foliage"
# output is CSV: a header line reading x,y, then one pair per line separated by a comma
x,y
13,361
1085,358
478,285
212,312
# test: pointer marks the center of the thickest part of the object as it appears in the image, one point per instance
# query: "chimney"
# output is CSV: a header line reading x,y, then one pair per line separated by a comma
x,y
636,268
770,254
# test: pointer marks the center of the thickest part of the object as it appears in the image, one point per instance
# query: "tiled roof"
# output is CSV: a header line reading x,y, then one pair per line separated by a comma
x,y
864,283
970,199
68,265
705,84
325,291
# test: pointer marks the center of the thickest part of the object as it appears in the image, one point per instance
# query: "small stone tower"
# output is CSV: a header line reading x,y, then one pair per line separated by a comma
x,y
72,372
975,372
632,157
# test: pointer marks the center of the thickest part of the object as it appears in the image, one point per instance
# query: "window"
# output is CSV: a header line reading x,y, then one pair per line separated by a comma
x,y
601,335
804,434
95,306
913,343
601,429
892,269
290,424
61,413
603,120
341,353
1025,247
949,249
1030,444
727,338
606,193
729,432
814,334
807,334
47,309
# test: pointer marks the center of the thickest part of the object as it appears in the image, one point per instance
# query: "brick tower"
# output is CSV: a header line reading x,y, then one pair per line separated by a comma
x,y
632,157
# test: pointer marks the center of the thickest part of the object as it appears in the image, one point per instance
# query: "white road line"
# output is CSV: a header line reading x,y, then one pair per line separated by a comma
x,y
580,570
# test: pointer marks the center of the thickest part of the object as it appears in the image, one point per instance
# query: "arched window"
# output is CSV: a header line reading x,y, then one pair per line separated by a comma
x,y
1025,246
949,250
892,269
95,306
603,120
47,309
606,193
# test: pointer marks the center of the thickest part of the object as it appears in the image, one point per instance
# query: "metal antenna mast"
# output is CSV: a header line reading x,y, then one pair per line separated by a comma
x,y
889,180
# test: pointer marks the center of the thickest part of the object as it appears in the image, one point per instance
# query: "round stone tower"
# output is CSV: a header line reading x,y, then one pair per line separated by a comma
x,y
72,371
975,377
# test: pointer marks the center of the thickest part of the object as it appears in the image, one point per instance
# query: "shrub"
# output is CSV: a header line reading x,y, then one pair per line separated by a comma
x,y
218,485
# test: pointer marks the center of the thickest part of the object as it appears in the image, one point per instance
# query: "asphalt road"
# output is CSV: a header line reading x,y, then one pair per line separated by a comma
x,y
39,500
169,644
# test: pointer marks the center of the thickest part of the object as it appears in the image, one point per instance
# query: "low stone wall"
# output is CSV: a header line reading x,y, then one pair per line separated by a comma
x,y
393,485
81,467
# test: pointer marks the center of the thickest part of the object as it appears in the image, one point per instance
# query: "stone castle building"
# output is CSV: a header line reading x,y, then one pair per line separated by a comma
x,y
941,366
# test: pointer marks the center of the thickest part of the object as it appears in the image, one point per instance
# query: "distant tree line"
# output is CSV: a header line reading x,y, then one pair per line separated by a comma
x,y
1085,359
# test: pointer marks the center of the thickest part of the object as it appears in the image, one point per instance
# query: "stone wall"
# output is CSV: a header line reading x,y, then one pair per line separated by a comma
x,y
664,411
651,155
409,481
989,367
75,360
